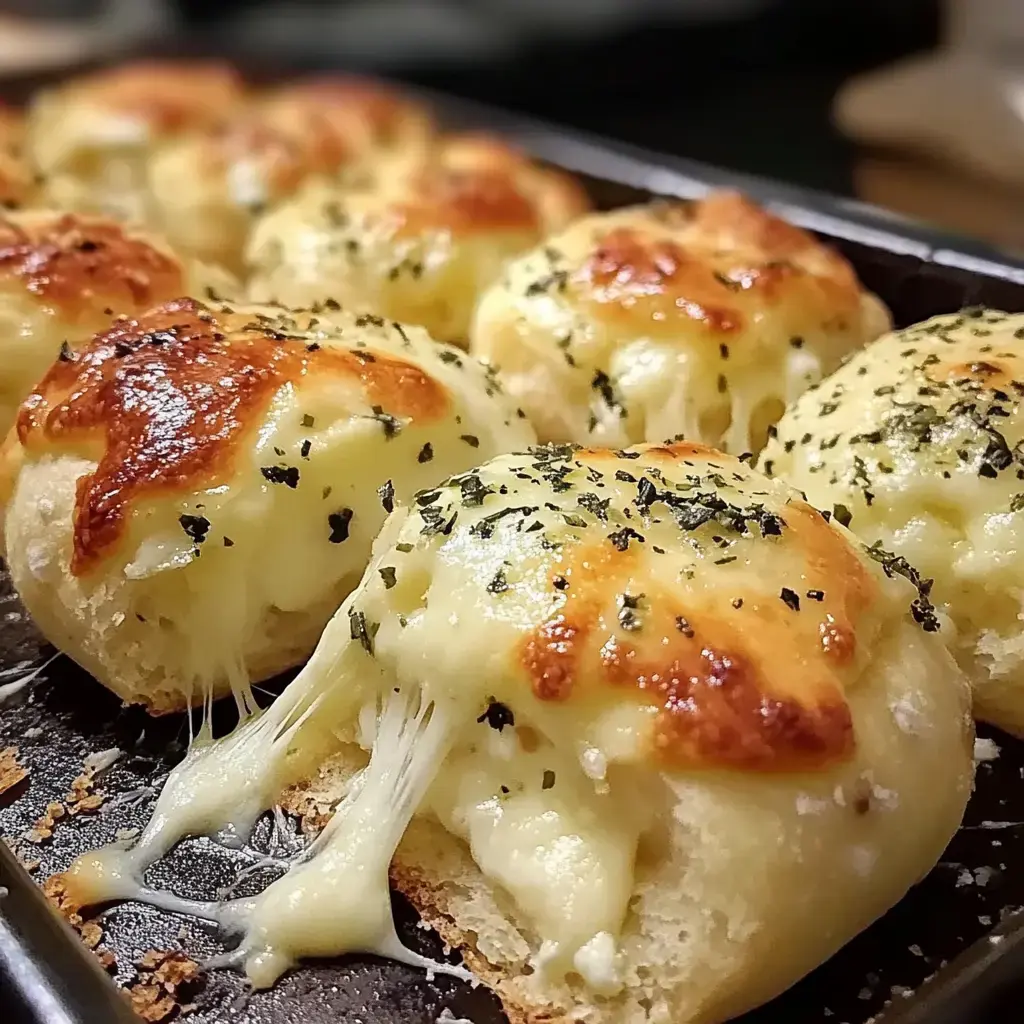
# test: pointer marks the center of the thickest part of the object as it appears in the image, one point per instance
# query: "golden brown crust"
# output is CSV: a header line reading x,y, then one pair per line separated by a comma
x,y
81,266
755,686
465,202
359,113
314,127
172,395
718,262
475,184
558,196
169,96
430,901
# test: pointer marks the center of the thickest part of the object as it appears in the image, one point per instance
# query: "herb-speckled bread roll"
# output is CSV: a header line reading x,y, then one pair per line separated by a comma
x,y
64,276
701,320
208,188
91,137
666,736
199,486
919,440
421,243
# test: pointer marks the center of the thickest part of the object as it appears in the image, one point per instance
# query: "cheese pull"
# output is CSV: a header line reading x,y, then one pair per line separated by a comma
x,y
671,736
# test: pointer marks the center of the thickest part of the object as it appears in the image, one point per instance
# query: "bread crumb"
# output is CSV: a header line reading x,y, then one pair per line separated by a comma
x,y
56,890
42,828
985,750
87,804
80,799
100,760
91,934
11,772
154,996
149,1003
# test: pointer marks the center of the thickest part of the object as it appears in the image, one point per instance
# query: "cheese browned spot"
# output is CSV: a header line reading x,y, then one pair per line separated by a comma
x,y
719,263
985,370
759,686
169,96
172,395
356,111
651,277
80,265
738,688
702,320
313,127
466,202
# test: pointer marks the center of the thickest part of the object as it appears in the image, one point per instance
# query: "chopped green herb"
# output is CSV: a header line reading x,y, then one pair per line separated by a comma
x,y
339,524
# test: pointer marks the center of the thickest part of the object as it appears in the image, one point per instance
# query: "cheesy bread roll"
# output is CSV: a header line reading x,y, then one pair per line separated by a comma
x,y
208,188
199,485
421,244
653,738
918,442
63,277
701,320
91,137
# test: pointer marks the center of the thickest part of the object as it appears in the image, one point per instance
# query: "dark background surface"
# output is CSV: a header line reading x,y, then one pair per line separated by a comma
x,y
751,93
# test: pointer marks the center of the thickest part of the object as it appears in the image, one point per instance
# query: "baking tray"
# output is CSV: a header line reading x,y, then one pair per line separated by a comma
x,y
63,716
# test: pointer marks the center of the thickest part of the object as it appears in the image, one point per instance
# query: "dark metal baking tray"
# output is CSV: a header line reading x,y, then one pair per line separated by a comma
x,y
63,716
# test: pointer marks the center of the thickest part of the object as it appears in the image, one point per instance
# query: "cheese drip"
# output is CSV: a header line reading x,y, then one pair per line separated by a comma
x,y
335,898
222,786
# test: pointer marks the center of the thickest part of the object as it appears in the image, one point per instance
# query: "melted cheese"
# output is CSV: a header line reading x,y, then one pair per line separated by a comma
x,y
563,853
654,322
525,684
208,188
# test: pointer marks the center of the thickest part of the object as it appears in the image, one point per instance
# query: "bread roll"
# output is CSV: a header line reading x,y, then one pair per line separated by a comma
x,y
200,485
63,277
208,188
666,736
420,243
919,441
91,137
649,322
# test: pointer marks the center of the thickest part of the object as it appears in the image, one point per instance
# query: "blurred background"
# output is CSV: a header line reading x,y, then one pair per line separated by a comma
x,y
917,105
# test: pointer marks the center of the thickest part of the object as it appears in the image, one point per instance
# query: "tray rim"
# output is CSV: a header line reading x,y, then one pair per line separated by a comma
x,y
665,174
